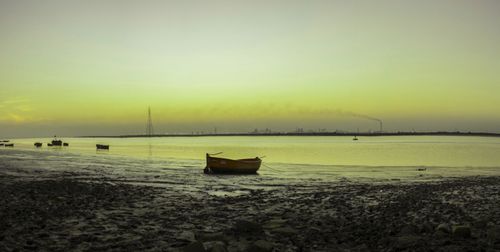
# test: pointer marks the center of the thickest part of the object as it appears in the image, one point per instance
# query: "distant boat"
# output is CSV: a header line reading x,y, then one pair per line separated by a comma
x,y
355,138
102,146
65,144
56,142
225,165
5,141
49,144
37,144
9,145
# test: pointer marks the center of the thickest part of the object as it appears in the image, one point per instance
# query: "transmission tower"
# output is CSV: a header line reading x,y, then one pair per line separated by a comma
x,y
149,127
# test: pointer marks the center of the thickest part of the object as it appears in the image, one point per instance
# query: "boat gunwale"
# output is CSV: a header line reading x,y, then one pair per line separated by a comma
x,y
236,160
226,165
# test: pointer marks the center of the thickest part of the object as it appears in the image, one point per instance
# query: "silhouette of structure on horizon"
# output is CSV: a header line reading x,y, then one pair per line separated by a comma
x,y
149,126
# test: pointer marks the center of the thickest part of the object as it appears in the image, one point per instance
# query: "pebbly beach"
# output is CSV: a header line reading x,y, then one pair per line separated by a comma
x,y
80,211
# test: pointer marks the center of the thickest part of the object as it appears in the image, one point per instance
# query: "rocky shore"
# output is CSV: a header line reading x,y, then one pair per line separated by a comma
x,y
62,213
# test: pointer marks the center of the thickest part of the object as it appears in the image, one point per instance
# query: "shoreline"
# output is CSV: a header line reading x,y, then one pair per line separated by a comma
x,y
366,134
64,211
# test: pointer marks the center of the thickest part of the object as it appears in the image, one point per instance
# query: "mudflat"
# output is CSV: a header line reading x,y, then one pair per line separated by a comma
x,y
60,212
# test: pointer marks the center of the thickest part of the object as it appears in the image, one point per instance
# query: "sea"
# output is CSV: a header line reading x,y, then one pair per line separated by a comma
x,y
164,161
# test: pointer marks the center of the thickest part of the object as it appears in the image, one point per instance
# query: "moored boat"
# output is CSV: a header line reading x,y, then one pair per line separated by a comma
x,y
37,144
102,146
9,145
56,142
234,166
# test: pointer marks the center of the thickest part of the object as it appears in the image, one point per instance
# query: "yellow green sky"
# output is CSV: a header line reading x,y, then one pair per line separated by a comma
x,y
93,67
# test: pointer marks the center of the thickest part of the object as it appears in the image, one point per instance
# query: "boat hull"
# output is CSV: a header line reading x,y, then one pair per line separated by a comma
x,y
230,166
102,147
57,143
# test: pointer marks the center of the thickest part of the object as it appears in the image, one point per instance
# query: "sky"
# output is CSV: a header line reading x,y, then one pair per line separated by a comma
x,y
93,67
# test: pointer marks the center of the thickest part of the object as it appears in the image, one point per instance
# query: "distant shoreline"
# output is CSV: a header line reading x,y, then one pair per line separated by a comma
x,y
368,134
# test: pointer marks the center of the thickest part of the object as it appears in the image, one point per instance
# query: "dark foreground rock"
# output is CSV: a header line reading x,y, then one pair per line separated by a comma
x,y
60,214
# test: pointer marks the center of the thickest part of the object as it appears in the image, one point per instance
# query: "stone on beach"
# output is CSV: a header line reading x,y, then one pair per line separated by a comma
x,y
405,242
218,236
444,227
246,226
461,231
493,235
274,223
194,247
260,246
187,235
285,231
409,230
215,246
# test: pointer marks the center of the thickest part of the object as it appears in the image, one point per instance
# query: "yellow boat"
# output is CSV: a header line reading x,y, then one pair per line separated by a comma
x,y
238,166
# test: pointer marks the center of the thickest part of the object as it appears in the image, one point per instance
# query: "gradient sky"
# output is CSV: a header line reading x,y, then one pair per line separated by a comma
x,y
93,67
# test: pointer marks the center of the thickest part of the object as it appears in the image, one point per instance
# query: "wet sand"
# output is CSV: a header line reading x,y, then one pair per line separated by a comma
x,y
65,211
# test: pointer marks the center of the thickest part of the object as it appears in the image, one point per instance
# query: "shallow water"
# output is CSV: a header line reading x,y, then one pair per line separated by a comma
x,y
313,158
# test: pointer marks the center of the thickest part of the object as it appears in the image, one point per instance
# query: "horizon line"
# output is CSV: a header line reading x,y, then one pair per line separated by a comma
x,y
347,133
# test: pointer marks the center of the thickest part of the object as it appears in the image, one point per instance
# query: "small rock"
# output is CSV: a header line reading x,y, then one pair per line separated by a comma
x,y
440,234
219,236
260,246
187,235
408,241
286,231
453,248
461,231
493,235
194,247
43,235
274,223
408,230
30,247
247,226
361,248
426,227
218,247
443,227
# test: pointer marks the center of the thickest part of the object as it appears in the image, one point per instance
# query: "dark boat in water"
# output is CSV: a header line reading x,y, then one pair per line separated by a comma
x,y
102,146
9,145
65,144
5,141
38,145
49,144
232,166
56,142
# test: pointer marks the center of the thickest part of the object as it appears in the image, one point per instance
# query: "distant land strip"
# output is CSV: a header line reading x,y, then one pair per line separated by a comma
x,y
368,134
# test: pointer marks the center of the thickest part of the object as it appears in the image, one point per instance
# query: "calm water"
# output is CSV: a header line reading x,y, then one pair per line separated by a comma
x,y
298,157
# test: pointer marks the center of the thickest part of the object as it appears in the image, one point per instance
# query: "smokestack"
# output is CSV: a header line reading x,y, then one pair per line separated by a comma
x,y
381,128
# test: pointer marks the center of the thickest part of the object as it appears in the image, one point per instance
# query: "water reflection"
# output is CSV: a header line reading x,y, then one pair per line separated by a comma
x,y
101,151
338,151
